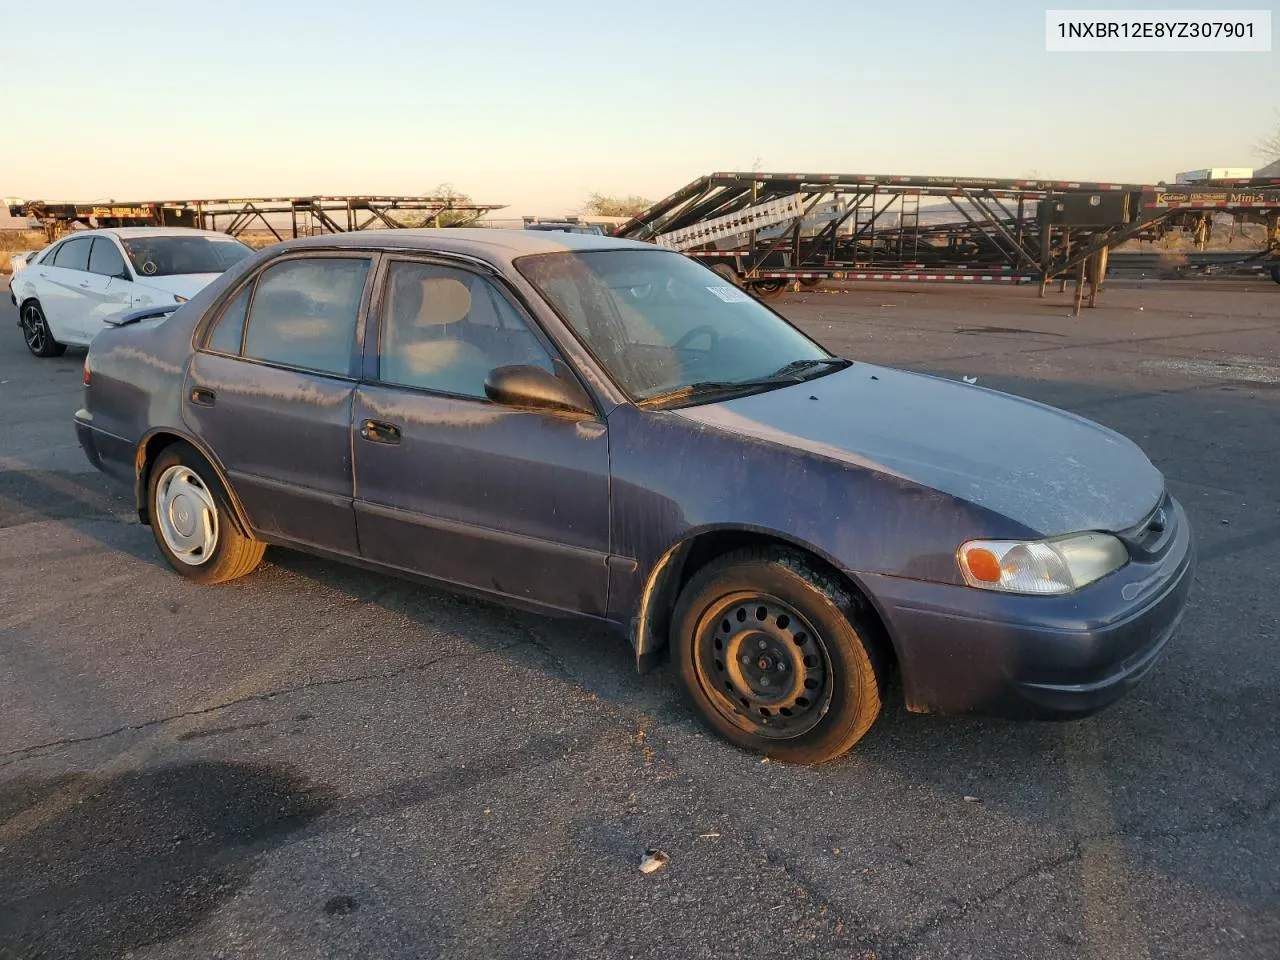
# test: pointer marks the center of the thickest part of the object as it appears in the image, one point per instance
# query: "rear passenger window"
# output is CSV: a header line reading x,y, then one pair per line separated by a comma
x,y
227,334
304,313
74,254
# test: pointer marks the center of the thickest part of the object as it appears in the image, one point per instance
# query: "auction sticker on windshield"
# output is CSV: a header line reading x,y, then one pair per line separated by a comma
x,y
730,294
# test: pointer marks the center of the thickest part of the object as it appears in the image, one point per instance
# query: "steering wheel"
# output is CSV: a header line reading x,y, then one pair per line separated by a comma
x,y
704,330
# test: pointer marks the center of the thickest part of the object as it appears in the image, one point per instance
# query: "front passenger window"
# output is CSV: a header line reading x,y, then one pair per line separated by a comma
x,y
445,329
105,259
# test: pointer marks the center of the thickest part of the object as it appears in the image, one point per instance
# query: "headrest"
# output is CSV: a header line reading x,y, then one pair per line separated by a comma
x,y
444,301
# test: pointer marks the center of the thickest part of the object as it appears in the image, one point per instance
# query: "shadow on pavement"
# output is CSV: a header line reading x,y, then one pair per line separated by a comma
x,y
112,864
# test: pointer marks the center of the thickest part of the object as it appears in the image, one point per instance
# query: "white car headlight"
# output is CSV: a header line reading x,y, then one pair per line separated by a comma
x,y
178,299
1055,566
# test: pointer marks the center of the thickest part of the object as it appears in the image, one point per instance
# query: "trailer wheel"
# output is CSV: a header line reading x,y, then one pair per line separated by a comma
x,y
1275,274
768,289
811,282
727,273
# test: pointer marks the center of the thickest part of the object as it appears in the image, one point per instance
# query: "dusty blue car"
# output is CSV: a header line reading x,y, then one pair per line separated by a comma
x,y
595,426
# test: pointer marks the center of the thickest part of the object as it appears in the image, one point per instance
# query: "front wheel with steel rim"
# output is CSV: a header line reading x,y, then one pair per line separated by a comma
x,y
193,521
36,332
777,656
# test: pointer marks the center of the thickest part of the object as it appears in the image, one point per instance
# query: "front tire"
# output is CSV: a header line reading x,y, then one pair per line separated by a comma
x,y
193,521
777,656
36,332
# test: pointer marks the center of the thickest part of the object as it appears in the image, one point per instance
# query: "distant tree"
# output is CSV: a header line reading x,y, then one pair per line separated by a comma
x,y
615,206
1268,147
447,218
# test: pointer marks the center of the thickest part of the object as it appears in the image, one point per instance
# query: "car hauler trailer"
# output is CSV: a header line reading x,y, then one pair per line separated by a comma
x,y
307,215
769,230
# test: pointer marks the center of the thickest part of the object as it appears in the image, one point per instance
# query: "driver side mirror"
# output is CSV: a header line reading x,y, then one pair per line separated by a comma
x,y
524,385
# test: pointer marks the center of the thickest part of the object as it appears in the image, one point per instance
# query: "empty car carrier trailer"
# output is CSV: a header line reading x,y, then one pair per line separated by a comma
x,y
766,231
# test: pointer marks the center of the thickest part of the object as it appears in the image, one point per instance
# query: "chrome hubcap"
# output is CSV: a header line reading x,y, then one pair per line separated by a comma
x,y
186,515
33,328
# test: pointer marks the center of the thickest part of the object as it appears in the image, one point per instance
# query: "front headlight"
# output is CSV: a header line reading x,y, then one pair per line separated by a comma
x,y
178,299
1055,566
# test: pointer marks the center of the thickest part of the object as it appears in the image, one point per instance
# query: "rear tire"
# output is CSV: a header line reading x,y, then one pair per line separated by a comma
x,y
777,656
769,289
36,332
193,521
727,272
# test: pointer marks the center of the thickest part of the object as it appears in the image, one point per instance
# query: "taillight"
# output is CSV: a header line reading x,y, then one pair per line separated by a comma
x,y
87,375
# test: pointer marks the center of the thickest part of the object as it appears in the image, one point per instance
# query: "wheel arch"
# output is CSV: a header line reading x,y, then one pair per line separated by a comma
x,y
155,442
651,625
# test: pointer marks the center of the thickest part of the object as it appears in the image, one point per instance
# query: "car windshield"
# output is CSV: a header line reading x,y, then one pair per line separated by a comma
x,y
660,323
169,256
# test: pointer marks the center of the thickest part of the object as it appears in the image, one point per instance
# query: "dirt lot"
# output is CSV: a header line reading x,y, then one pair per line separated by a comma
x,y
320,762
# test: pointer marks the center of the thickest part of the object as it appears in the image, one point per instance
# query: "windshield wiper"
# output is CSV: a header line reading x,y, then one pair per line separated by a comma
x,y
804,366
793,372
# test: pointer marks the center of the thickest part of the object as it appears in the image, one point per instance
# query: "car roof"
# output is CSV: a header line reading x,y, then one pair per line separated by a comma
x,y
491,244
129,233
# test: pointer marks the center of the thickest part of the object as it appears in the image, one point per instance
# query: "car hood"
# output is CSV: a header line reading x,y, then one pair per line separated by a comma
x,y
1041,467
183,284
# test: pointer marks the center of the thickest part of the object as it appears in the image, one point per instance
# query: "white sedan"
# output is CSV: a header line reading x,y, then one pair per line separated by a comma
x,y
67,291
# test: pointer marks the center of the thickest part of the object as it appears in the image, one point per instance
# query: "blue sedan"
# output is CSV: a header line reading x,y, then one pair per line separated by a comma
x,y
580,424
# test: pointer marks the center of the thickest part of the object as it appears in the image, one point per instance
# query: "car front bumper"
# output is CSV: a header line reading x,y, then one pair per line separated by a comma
x,y
963,650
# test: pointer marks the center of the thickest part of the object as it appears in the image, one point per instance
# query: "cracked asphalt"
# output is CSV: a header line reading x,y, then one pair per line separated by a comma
x,y
317,761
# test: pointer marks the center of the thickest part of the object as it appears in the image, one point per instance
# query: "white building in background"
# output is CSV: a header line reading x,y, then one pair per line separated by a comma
x,y
13,223
1214,173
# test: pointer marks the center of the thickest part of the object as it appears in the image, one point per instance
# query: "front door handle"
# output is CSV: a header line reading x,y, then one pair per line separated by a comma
x,y
203,396
376,431
85,284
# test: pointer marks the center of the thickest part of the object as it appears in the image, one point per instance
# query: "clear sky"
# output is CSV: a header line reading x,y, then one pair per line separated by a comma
x,y
537,104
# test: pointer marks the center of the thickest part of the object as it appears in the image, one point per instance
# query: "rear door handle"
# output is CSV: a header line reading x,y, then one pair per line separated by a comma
x,y
203,396
376,431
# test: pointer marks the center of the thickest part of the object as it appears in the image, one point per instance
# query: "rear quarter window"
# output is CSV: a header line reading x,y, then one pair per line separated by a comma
x,y
228,330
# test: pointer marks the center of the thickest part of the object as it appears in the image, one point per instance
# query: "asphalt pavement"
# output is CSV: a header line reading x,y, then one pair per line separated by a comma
x,y
316,761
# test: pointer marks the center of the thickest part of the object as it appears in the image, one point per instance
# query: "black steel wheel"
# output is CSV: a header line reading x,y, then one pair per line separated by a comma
x,y
36,332
811,282
777,656
763,665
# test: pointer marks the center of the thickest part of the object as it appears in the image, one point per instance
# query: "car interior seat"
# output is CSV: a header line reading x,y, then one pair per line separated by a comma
x,y
424,343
